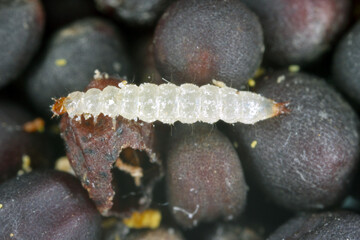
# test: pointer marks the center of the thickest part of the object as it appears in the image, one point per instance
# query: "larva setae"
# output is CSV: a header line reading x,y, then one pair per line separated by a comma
x,y
169,103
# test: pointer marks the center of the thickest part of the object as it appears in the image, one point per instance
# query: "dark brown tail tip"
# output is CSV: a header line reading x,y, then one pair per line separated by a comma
x,y
282,108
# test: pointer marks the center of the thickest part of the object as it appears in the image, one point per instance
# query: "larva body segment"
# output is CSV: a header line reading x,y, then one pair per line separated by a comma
x,y
169,103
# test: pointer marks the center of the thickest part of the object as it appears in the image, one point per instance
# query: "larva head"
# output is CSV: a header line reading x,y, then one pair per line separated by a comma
x,y
58,107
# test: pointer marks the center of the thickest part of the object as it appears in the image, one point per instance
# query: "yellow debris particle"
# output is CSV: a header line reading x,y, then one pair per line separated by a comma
x,y
63,164
26,165
26,162
259,72
253,144
1,206
60,62
11,235
147,219
251,82
236,145
294,68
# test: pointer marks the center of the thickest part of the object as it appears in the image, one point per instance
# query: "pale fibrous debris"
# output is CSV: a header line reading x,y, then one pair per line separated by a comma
x,y
135,171
280,79
189,214
100,75
26,165
63,164
169,103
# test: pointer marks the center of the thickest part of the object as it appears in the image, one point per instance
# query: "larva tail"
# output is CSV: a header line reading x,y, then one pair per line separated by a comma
x,y
58,107
281,108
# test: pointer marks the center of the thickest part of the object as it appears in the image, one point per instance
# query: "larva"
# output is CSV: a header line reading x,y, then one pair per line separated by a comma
x,y
169,103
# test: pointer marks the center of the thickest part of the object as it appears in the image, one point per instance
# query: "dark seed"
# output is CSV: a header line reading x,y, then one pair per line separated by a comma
x,y
231,231
299,31
158,234
304,159
204,176
328,225
113,229
18,147
346,64
47,205
145,68
55,12
134,12
21,24
197,41
71,58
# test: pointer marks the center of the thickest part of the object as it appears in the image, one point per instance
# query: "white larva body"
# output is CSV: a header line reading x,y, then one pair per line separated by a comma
x,y
169,103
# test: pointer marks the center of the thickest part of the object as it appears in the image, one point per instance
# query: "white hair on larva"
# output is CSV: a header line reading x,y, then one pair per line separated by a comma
x,y
169,103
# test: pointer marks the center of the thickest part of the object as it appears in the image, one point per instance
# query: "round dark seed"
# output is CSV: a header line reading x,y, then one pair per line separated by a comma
x,y
16,145
47,205
328,225
204,176
55,12
305,159
197,41
134,12
72,56
346,64
21,27
299,31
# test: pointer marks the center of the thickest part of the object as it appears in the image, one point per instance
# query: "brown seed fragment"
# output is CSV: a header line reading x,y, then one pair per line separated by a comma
x,y
94,148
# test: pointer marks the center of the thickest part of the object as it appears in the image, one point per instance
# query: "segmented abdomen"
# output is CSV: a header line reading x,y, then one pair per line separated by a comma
x,y
169,103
